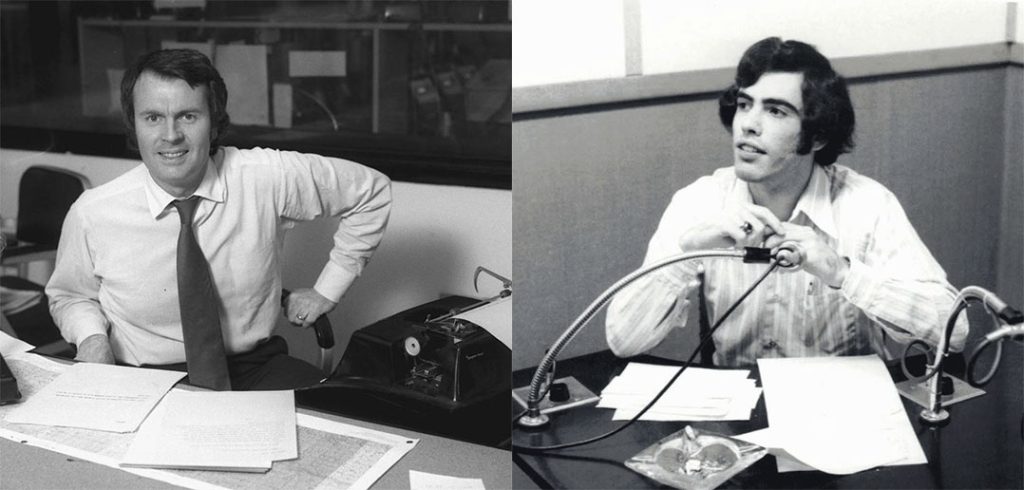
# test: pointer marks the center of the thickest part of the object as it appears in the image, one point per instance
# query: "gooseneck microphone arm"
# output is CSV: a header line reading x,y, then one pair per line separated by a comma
x,y
1013,328
533,416
1001,312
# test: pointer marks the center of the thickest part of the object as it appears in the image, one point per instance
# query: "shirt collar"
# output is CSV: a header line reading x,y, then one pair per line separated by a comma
x,y
815,203
211,187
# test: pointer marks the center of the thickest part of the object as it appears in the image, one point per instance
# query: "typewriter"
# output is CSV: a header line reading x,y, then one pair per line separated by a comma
x,y
425,369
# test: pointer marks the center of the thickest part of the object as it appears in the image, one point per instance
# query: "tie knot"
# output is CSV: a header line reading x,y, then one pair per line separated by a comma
x,y
186,209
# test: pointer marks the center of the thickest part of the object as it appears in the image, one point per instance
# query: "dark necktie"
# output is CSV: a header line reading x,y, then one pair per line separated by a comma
x,y
200,316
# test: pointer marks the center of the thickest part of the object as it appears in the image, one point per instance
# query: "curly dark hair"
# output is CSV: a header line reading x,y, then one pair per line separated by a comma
x,y
186,64
828,113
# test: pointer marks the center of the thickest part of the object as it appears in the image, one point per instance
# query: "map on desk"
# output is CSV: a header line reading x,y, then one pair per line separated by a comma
x,y
331,454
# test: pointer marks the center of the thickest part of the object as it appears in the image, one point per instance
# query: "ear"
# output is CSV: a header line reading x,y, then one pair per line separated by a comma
x,y
818,144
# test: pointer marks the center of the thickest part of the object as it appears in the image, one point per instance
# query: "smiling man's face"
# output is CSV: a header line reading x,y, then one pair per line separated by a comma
x,y
766,130
172,127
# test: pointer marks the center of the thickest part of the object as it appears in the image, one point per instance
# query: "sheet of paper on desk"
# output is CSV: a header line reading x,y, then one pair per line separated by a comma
x,y
334,454
222,430
10,345
698,393
97,396
419,480
840,415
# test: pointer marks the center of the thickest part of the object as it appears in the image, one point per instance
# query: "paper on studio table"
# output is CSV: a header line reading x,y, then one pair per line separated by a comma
x,y
419,480
638,377
784,462
698,393
738,407
227,430
840,415
97,396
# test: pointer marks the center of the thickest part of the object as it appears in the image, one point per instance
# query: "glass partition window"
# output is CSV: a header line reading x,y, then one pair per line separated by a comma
x,y
420,90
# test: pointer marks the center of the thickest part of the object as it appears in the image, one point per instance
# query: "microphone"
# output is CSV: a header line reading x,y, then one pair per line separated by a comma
x,y
1015,332
1005,312
790,255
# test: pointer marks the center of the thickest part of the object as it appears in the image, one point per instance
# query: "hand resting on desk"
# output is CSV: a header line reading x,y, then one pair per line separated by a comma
x,y
95,348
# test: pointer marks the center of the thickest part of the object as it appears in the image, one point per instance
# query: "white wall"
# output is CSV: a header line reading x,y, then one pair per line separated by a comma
x,y
837,29
567,41
437,237
1017,26
578,40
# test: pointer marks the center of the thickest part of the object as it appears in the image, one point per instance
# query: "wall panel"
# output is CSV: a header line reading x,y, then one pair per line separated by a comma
x,y
590,185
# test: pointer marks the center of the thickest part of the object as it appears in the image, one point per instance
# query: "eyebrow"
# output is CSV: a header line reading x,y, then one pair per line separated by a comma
x,y
771,101
157,112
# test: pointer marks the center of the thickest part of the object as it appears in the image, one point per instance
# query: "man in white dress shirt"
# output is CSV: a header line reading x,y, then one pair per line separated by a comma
x,y
114,292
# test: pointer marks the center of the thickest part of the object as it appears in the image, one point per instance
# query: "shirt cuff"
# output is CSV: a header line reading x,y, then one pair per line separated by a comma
x,y
87,325
860,284
334,281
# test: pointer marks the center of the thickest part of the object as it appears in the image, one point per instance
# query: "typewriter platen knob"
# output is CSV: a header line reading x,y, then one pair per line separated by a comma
x,y
412,346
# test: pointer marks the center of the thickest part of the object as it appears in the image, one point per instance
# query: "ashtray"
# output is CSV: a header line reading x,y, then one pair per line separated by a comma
x,y
695,459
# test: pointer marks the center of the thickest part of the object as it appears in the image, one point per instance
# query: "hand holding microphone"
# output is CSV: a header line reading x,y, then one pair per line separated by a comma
x,y
735,226
799,247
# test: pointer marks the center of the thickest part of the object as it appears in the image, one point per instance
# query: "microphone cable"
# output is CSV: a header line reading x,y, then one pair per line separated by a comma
x,y
540,449
963,301
997,337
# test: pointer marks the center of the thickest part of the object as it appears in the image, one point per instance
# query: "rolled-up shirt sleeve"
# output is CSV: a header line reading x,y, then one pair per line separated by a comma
x,y
642,314
313,186
73,288
899,285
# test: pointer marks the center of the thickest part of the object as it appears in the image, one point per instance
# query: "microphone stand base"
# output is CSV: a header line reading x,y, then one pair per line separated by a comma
x,y
531,422
935,417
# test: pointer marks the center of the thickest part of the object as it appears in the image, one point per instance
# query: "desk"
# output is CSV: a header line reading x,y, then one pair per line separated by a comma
x,y
981,447
26,467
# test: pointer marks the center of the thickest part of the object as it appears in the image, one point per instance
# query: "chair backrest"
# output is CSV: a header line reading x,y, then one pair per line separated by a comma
x,y
45,195
707,353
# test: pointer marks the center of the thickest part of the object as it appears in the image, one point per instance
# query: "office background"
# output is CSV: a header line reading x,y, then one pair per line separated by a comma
x,y
420,94
614,115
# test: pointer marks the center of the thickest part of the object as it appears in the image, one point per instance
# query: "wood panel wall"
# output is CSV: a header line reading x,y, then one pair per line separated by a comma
x,y
591,183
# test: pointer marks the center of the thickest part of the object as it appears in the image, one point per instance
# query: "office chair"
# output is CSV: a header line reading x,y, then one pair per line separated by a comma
x,y
44,196
33,324
707,352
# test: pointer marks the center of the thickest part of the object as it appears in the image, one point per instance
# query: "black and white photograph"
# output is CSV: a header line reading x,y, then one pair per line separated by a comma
x,y
256,244
768,245
402,244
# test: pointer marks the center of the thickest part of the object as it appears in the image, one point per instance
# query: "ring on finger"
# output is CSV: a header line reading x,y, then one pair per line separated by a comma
x,y
747,228
301,316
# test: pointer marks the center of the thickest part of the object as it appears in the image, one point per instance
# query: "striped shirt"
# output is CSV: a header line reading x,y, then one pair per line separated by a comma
x,y
894,287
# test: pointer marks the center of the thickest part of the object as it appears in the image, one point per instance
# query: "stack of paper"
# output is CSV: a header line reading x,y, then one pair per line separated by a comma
x,y
698,394
98,397
226,430
839,415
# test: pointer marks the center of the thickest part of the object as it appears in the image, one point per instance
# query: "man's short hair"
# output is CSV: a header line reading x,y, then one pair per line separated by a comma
x,y
828,113
186,64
